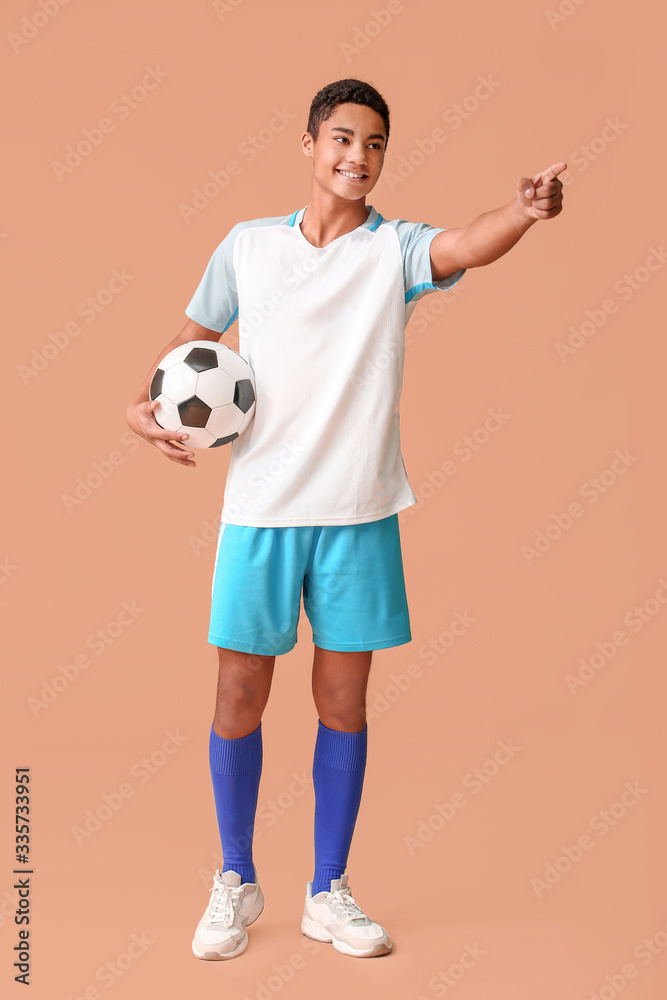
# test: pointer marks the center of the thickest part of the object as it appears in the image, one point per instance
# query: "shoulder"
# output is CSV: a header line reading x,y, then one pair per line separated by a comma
x,y
226,246
414,240
267,222
408,231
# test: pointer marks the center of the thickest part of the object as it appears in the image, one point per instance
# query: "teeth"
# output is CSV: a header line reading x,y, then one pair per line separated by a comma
x,y
348,174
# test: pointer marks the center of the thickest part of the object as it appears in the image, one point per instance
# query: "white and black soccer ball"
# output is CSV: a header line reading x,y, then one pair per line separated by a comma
x,y
205,390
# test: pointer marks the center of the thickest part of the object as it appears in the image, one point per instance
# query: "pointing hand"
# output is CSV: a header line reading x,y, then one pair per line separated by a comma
x,y
541,196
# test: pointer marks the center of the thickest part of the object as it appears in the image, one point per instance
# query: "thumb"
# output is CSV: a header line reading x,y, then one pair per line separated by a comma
x,y
525,188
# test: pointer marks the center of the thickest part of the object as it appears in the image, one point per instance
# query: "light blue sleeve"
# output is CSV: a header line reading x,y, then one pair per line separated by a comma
x,y
415,239
215,303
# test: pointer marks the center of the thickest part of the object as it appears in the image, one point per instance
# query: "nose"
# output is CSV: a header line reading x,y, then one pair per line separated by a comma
x,y
359,164
360,159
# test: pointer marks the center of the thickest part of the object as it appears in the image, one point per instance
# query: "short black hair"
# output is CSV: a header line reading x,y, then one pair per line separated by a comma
x,y
349,91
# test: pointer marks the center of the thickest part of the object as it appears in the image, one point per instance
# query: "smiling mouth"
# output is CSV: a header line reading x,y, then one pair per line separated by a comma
x,y
351,175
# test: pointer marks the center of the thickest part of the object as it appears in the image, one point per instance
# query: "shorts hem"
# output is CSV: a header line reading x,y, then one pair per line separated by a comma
x,y
245,647
344,647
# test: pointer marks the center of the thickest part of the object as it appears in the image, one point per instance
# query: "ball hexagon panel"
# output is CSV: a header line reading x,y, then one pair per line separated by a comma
x,y
179,382
198,437
176,356
224,420
233,363
167,415
215,387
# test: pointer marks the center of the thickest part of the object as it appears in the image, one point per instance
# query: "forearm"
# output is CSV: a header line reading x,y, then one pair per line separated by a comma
x,y
143,395
492,234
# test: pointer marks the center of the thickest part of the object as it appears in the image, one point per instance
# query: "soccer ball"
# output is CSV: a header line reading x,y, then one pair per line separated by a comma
x,y
205,390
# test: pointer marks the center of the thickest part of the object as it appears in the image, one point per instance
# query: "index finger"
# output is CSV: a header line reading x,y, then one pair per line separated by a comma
x,y
548,175
157,430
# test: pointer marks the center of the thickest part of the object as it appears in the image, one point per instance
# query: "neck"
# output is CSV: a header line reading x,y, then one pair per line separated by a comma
x,y
327,216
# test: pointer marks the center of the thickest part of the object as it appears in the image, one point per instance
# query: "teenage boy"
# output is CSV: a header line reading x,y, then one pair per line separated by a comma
x,y
315,483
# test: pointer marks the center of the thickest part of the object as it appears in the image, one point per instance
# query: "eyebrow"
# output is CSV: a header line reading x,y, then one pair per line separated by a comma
x,y
350,131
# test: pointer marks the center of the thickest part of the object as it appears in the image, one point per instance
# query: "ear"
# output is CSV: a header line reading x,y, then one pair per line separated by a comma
x,y
307,144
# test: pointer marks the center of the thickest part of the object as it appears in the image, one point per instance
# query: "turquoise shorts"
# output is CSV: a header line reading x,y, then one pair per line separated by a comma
x,y
351,576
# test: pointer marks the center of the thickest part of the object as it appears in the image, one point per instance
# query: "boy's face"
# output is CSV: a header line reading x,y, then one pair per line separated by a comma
x,y
350,143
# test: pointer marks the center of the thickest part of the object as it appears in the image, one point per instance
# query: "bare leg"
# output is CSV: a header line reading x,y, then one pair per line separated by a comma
x,y
244,683
339,686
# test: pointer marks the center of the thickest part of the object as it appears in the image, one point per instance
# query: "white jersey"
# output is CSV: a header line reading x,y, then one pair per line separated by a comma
x,y
323,329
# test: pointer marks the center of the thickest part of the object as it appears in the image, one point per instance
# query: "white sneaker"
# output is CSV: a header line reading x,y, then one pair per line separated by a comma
x,y
334,916
221,932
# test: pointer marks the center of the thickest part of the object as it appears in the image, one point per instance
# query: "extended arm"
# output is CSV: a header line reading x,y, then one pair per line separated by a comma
x,y
493,233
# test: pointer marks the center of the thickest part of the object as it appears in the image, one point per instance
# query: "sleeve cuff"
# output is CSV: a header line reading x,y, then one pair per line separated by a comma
x,y
205,322
429,286
450,280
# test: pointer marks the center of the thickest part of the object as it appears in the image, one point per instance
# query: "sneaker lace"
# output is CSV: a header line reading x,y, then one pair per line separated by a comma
x,y
343,901
222,904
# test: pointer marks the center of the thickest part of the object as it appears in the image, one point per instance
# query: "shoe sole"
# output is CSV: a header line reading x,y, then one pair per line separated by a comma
x,y
214,956
316,932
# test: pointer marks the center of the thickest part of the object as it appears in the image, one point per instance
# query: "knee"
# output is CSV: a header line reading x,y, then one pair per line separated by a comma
x,y
236,717
240,703
342,713
237,695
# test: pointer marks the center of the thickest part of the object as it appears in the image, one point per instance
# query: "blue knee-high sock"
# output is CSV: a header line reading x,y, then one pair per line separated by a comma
x,y
236,767
339,764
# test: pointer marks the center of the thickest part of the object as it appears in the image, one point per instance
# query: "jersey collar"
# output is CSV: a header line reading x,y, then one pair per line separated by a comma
x,y
372,222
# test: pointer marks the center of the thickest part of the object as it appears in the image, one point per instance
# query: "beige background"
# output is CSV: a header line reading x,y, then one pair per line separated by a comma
x,y
145,533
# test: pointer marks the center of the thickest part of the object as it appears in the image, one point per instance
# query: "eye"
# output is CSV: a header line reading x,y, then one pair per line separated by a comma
x,y
343,137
